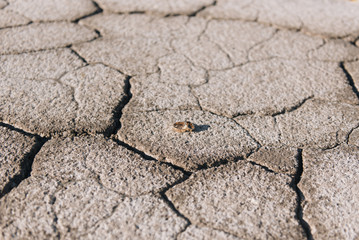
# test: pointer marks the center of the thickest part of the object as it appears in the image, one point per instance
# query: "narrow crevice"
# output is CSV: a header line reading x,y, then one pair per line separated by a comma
x,y
117,112
169,15
183,230
300,197
293,108
99,35
218,163
347,137
350,79
32,51
283,111
259,145
172,206
112,67
134,12
182,108
330,147
248,52
200,167
12,128
26,167
29,51
194,14
149,158
78,55
25,162
262,167
255,19
241,114
195,96
227,54
18,25
223,162
307,54
97,11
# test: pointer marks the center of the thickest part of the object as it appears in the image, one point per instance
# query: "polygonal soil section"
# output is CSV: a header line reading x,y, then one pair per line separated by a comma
x,y
85,99
99,92
214,139
269,87
52,10
298,14
118,169
45,208
132,56
40,36
331,189
242,199
280,159
26,211
315,124
134,43
140,218
297,45
48,64
151,93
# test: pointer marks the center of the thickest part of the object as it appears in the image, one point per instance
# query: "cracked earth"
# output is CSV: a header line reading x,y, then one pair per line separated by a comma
x,y
90,90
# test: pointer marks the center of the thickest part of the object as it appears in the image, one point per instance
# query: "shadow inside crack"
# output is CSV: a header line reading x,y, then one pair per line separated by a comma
x,y
26,167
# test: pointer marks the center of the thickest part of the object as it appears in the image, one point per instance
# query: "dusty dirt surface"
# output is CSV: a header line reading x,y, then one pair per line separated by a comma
x,y
90,91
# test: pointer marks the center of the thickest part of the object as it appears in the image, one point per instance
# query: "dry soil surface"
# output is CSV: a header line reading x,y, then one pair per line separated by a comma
x,y
90,90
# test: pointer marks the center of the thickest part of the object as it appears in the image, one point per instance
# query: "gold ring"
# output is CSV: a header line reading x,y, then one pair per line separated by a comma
x,y
183,127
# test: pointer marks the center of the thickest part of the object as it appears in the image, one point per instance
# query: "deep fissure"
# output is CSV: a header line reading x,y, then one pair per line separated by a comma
x,y
118,111
25,163
350,79
300,197
172,206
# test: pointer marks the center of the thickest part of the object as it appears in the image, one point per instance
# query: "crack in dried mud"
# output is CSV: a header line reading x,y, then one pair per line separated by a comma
x,y
347,137
262,167
25,162
118,111
148,157
300,196
172,206
97,11
349,79
293,108
195,13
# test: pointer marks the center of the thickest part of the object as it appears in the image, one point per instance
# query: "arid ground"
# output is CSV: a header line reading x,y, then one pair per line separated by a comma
x,y
90,92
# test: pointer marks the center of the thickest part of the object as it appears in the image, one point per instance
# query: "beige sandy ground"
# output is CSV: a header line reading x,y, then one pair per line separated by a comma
x,y
90,90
